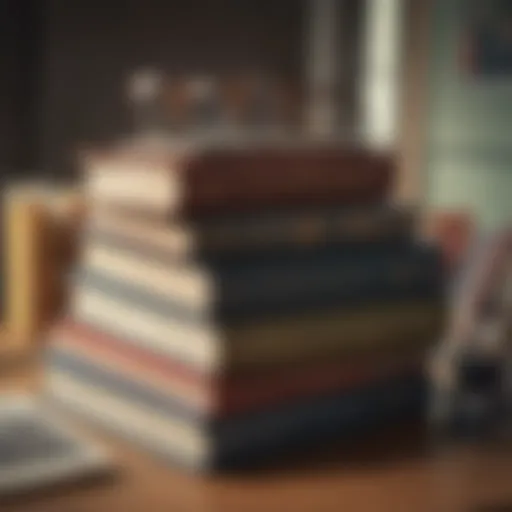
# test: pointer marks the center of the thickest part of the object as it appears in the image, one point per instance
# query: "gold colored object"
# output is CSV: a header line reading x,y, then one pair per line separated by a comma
x,y
40,224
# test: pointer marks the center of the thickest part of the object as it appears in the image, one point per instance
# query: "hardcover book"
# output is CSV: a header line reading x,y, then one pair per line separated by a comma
x,y
247,440
262,343
271,286
249,235
202,181
83,351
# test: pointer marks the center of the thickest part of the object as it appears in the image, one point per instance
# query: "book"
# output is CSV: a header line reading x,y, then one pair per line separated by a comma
x,y
82,351
197,181
247,235
39,449
247,440
212,348
271,286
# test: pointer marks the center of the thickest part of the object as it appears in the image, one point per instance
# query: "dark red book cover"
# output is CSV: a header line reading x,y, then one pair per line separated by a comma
x,y
236,180
245,179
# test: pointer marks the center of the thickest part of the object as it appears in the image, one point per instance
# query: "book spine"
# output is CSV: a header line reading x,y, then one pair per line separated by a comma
x,y
257,438
303,230
362,332
233,237
137,392
288,286
330,279
220,397
250,440
241,395
259,182
267,344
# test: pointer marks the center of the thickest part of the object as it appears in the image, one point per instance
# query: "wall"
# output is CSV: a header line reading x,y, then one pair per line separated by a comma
x,y
91,47
65,62
19,53
469,149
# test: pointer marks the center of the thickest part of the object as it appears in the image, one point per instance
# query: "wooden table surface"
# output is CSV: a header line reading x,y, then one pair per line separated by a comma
x,y
397,472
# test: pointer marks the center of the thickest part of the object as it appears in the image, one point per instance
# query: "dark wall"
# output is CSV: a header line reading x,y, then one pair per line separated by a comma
x,y
64,63
19,84
91,47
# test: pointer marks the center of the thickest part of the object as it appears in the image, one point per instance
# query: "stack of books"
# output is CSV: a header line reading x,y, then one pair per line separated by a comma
x,y
231,304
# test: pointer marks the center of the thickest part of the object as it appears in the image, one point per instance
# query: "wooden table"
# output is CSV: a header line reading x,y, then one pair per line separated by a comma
x,y
395,472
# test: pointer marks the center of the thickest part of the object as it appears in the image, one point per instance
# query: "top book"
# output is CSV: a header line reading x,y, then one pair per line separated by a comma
x,y
196,181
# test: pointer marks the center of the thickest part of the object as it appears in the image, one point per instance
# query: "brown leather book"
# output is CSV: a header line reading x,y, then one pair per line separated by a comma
x,y
194,182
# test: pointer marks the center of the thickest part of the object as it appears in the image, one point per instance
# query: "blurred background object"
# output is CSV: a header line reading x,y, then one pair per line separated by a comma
x,y
145,94
455,231
41,227
206,108
471,366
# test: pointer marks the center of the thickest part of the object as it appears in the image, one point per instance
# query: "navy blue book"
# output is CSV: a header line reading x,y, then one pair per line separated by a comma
x,y
274,286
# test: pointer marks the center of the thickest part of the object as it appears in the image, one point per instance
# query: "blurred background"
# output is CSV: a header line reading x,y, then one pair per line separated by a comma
x,y
65,68
427,83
